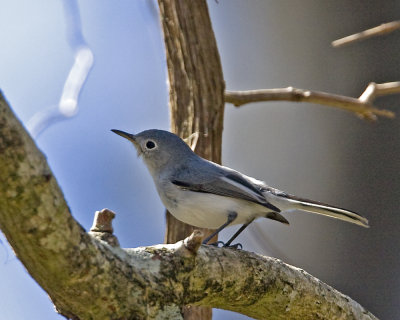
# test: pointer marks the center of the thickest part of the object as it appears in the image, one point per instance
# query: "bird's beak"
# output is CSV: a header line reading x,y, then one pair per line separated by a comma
x,y
126,135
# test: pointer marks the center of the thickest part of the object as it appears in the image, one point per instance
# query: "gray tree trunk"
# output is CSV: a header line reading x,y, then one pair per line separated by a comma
x,y
196,93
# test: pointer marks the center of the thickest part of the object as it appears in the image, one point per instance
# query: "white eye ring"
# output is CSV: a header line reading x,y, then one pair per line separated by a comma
x,y
150,144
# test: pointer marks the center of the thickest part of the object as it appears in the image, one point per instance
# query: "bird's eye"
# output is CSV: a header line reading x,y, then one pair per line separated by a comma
x,y
150,144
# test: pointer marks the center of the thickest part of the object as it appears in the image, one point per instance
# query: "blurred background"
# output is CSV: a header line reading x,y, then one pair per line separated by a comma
x,y
308,150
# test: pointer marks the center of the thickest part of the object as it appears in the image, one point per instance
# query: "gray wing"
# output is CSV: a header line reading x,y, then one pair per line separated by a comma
x,y
221,181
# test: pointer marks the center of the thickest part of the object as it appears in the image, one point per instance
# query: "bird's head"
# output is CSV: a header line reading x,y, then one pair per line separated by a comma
x,y
158,148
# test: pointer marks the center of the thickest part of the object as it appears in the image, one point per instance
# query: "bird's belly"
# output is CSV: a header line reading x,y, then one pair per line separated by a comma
x,y
206,210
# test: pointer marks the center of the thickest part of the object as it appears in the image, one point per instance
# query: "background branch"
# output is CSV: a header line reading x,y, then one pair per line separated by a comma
x,y
384,28
361,106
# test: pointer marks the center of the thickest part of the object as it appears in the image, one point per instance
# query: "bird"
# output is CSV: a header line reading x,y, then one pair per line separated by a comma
x,y
205,194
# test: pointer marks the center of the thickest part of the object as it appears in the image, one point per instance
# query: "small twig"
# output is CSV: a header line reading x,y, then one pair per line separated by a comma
x,y
102,227
193,242
192,140
384,28
362,106
379,89
189,247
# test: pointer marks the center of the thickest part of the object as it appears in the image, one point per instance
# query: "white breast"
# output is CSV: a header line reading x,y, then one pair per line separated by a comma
x,y
206,210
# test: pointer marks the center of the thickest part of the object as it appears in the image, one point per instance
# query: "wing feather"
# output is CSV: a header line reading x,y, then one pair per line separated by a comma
x,y
229,184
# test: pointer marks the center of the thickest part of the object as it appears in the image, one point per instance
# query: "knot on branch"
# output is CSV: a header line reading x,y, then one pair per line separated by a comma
x,y
102,227
193,242
189,246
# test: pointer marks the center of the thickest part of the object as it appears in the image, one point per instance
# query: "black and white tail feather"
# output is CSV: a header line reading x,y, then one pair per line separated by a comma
x,y
285,202
288,202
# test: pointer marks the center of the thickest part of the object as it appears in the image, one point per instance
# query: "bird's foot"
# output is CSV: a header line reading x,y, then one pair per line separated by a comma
x,y
218,244
221,244
237,246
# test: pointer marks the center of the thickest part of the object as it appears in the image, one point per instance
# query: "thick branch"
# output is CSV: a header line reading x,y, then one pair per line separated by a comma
x,y
384,28
83,277
251,284
362,106
87,278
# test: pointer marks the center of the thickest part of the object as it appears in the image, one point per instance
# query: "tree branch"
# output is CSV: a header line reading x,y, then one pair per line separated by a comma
x,y
384,28
83,277
361,106
87,278
260,287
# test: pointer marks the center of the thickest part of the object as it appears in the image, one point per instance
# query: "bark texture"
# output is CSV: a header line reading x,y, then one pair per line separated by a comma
x,y
196,85
196,92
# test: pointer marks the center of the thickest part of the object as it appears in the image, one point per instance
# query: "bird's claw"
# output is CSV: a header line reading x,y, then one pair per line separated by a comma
x,y
218,244
237,246
221,244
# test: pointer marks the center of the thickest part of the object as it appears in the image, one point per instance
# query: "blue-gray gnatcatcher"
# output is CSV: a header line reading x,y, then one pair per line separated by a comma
x,y
207,195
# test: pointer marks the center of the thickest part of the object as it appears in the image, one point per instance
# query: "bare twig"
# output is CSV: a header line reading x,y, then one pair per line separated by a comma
x,y
379,89
361,106
192,140
103,221
384,28
193,242
102,228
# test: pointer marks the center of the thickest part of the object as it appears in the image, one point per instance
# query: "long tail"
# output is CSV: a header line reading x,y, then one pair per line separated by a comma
x,y
287,202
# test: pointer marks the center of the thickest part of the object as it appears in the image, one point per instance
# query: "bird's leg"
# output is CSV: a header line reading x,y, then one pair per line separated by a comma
x,y
231,217
228,243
